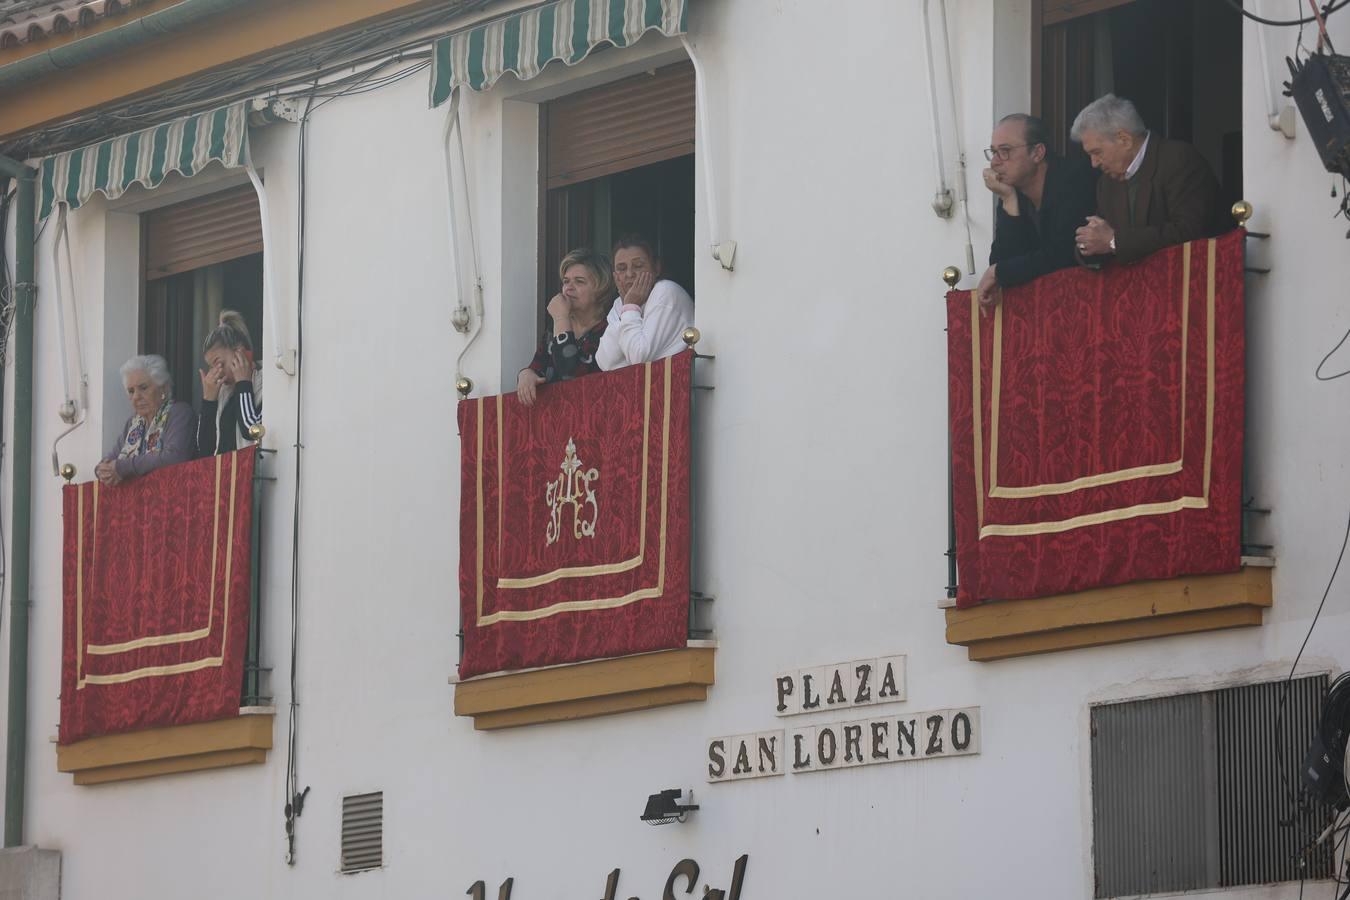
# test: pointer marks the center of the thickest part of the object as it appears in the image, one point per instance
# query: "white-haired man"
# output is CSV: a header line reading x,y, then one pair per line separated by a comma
x,y
1156,192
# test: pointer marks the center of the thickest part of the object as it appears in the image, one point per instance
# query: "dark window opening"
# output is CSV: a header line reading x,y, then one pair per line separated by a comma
x,y
656,201
200,257
619,159
1179,61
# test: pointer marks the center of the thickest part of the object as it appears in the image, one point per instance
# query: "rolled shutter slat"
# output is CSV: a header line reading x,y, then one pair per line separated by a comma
x,y
1056,11
634,122
202,232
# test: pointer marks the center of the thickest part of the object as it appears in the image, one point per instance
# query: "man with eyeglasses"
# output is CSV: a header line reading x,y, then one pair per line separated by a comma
x,y
1042,199
1155,192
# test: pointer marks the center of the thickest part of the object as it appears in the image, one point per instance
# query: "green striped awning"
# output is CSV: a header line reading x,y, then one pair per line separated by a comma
x,y
526,42
111,167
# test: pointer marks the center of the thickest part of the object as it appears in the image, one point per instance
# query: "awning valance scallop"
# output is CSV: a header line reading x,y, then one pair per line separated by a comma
x,y
524,43
146,157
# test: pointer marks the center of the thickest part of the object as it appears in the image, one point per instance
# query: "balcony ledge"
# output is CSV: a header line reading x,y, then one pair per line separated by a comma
x,y
162,751
582,690
1114,615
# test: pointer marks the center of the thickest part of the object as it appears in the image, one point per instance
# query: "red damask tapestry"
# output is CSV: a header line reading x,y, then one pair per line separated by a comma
x,y
574,520
156,597
1097,424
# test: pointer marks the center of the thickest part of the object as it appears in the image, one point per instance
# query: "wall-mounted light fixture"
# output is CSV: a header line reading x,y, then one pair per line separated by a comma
x,y
664,807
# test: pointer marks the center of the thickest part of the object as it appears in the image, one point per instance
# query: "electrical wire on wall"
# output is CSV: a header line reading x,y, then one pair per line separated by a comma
x,y
295,795
295,798
6,320
1325,11
1292,796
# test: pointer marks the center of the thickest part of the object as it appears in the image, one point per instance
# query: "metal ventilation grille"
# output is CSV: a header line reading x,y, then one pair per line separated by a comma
x,y
362,832
1187,791
1149,796
1254,847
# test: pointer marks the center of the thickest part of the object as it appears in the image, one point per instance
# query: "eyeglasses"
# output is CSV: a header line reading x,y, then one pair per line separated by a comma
x,y
1004,152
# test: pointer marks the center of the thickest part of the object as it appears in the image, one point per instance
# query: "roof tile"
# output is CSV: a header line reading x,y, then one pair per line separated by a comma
x,y
23,21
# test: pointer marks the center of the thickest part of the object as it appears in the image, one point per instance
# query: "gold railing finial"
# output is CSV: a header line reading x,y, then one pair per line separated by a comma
x,y
951,275
68,472
1242,211
256,432
691,336
464,386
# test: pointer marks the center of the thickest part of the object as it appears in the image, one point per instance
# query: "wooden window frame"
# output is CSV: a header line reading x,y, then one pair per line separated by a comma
x,y
614,685
1140,610
549,183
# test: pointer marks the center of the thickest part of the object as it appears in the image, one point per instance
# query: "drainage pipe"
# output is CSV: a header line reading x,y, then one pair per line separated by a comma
x,y
961,195
21,452
942,199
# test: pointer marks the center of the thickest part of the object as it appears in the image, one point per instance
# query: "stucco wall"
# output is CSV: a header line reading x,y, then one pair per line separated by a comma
x,y
822,512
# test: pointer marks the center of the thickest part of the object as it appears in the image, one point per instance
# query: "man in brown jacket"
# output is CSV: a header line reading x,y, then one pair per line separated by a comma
x,y
1156,192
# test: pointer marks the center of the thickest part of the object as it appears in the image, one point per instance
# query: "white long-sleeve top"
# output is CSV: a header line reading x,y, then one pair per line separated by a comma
x,y
652,333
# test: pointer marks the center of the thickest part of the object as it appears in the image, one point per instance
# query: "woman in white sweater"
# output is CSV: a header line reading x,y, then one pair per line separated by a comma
x,y
650,314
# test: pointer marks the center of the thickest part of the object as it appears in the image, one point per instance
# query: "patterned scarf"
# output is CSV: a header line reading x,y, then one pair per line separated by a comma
x,y
142,436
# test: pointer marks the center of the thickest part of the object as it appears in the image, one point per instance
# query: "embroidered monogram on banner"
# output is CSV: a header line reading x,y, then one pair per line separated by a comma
x,y
549,582
572,488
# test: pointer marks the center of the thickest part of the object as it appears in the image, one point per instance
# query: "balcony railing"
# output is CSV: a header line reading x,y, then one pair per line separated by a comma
x,y
577,544
162,627
1096,441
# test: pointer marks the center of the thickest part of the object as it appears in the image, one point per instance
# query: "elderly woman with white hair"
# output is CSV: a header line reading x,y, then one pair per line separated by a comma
x,y
159,432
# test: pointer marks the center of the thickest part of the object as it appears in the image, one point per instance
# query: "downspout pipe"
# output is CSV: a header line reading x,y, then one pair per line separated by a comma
x,y
183,14
21,494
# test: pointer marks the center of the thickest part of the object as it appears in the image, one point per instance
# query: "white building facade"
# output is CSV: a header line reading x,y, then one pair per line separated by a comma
x,y
819,459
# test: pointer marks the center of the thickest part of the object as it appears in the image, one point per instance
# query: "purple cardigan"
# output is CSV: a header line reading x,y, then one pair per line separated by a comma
x,y
175,444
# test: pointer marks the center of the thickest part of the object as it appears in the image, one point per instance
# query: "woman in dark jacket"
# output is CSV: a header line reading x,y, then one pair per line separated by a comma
x,y
567,349
231,388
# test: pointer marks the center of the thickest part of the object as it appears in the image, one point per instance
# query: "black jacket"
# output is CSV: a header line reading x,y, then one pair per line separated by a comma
x,y
242,412
1023,250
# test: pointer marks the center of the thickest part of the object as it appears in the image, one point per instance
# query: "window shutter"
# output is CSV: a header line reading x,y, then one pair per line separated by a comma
x,y
1056,11
635,122
202,232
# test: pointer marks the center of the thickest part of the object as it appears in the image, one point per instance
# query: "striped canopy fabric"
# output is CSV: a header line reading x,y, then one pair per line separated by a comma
x,y
526,42
111,167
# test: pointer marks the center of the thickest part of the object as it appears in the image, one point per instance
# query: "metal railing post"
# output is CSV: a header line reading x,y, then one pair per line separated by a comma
x,y
696,597
253,659
950,276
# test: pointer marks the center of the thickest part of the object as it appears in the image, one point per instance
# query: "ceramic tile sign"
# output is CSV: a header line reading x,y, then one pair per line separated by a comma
x,y
884,739
741,756
862,682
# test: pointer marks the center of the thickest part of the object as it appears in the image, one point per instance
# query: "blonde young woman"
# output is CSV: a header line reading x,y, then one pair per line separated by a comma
x,y
159,432
231,388
567,350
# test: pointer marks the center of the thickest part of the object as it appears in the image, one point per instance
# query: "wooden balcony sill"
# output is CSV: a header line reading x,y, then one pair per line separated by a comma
x,y
161,751
1114,615
599,687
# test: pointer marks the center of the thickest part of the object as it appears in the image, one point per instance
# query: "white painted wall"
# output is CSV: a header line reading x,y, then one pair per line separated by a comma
x,y
822,514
